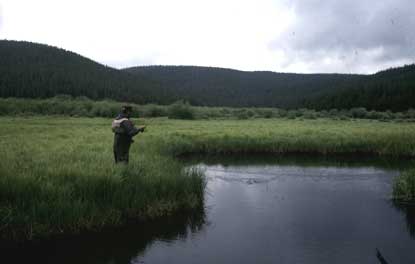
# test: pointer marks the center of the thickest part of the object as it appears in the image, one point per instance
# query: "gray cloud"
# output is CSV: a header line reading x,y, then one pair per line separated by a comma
x,y
376,33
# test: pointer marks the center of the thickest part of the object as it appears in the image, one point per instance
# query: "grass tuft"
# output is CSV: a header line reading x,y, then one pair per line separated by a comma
x,y
404,187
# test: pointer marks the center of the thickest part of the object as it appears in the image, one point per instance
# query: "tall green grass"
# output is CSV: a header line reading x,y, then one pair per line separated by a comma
x,y
57,174
322,136
404,187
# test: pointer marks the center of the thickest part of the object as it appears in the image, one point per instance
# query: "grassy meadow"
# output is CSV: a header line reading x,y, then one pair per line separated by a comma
x,y
57,174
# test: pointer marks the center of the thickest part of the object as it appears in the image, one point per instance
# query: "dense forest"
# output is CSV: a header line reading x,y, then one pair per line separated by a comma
x,y
392,89
33,70
40,71
225,87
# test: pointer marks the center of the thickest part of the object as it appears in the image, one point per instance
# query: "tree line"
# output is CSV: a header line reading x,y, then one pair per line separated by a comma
x,y
31,70
209,86
393,89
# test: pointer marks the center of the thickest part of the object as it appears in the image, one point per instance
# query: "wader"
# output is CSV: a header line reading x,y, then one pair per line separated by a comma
x,y
124,131
122,145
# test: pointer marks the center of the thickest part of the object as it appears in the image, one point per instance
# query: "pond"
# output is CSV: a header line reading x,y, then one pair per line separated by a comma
x,y
291,209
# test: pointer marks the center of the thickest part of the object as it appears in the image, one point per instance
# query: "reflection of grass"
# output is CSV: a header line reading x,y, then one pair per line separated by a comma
x,y
112,245
57,174
301,159
408,209
404,187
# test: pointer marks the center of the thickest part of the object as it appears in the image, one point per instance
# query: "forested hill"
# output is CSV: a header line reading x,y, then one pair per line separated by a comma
x,y
226,87
37,70
392,89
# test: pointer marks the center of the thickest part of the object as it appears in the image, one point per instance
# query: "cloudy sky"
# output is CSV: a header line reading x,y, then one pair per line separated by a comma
x,y
347,36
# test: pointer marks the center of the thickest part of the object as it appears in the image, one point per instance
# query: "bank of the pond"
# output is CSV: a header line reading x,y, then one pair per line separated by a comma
x,y
58,176
287,136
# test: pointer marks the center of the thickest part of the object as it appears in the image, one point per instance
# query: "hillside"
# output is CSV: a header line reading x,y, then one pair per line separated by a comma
x,y
39,71
392,89
227,87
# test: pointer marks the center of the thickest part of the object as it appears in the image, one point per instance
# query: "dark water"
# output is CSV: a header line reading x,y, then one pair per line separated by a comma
x,y
263,210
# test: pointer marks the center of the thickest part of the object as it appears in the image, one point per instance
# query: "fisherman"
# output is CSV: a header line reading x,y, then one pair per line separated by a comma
x,y
124,131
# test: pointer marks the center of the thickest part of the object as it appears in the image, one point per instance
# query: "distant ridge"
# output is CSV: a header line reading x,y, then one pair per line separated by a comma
x,y
392,89
217,86
38,71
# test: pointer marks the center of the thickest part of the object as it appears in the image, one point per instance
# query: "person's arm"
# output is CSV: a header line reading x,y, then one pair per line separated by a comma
x,y
129,128
141,128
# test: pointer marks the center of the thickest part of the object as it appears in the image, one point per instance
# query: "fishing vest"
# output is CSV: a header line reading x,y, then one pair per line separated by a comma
x,y
116,125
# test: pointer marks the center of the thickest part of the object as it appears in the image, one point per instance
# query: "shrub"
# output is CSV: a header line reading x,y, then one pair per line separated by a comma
x,y
282,112
358,112
268,114
410,113
250,113
265,113
389,114
310,114
292,114
344,113
374,115
181,110
300,112
241,114
323,114
399,115
225,111
343,117
334,112
155,111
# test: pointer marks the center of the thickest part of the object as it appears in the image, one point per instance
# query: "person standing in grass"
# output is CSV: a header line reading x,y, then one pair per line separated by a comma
x,y
124,131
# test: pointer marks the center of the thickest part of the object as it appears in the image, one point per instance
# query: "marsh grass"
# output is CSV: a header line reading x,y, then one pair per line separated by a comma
x,y
322,136
57,174
404,187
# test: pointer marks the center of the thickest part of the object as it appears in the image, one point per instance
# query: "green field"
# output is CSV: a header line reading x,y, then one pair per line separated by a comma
x,y
57,174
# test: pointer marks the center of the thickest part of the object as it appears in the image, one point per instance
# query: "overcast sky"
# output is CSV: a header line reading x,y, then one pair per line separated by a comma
x,y
347,36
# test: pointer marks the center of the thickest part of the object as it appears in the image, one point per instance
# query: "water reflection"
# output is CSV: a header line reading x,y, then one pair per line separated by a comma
x,y
265,209
302,160
116,246
408,209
